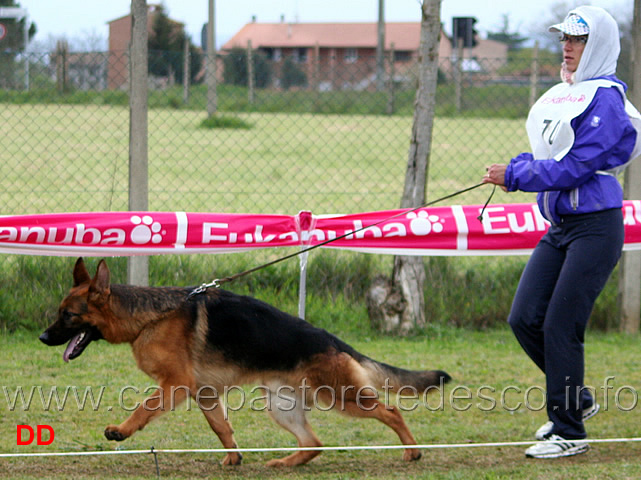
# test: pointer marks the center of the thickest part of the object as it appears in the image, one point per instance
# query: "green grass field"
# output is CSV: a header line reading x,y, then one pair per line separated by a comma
x,y
486,402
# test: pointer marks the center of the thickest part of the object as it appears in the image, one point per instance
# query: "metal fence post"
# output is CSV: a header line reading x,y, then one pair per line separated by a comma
x,y
138,267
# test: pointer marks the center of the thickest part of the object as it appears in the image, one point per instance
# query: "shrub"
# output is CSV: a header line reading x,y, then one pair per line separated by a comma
x,y
224,121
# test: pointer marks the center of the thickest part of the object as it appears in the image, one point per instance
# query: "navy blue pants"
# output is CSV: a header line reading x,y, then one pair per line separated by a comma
x,y
553,302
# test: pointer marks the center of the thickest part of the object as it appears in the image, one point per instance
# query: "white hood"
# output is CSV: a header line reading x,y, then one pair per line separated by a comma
x,y
602,50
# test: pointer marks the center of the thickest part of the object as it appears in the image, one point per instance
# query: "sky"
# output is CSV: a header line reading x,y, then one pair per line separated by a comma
x,y
74,19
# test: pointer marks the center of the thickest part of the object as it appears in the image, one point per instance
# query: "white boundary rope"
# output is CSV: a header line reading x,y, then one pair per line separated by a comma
x,y
154,451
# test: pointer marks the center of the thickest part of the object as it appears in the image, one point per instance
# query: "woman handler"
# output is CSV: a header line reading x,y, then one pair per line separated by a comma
x,y
582,134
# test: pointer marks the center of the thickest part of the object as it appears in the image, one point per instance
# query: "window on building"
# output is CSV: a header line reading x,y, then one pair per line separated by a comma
x,y
351,55
273,54
402,56
300,55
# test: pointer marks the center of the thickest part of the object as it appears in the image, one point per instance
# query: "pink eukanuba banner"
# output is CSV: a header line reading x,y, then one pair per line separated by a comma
x,y
506,229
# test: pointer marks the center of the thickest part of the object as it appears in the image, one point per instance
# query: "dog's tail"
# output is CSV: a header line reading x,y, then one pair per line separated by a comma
x,y
393,378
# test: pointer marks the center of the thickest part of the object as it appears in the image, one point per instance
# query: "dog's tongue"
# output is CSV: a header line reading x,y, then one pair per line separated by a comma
x,y
72,344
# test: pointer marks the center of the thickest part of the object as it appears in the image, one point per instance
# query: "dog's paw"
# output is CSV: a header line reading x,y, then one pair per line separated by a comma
x,y
112,433
276,463
232,458
412,455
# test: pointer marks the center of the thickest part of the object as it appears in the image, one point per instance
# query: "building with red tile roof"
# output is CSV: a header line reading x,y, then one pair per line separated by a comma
x,y
343,55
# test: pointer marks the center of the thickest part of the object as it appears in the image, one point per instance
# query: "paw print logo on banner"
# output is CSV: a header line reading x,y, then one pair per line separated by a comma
x,y
146,230
423,224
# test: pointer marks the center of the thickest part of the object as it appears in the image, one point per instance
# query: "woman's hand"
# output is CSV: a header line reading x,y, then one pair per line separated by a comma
x,y
496,175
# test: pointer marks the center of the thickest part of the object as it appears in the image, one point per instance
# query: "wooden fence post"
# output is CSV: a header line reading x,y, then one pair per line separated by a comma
x,y
186,71
62,53
250,74
390,82
534,75
212,94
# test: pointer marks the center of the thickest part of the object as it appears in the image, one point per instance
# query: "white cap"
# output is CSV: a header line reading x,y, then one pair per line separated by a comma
x,y
572,25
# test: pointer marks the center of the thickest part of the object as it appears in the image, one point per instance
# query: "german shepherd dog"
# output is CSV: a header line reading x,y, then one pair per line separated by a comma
x,y
219,339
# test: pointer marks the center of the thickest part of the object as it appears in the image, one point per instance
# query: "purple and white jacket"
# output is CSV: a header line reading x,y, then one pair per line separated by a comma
x,y
582,134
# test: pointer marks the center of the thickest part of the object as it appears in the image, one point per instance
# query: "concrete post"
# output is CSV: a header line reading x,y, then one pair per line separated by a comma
x,y
630,266
138,267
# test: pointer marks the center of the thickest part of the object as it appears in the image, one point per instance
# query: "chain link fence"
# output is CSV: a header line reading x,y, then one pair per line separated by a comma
x,y
296,137
329,141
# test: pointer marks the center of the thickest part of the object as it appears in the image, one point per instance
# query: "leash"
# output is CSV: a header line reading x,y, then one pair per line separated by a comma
x,y
219,281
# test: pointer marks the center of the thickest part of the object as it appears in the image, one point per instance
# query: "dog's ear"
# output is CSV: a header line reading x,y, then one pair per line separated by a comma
x,y
80,273
99,288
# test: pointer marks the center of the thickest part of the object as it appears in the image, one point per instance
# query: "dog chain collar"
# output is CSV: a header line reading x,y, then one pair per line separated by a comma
x,y
203,288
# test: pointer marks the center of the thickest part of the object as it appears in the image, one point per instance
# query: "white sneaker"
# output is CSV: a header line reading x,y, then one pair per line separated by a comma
x,y
546,428
555,447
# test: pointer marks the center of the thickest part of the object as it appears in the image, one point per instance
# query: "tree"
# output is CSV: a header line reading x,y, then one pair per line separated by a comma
x,y
401,307
166,48
292,75
513,40
628,36
235,64
555,13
